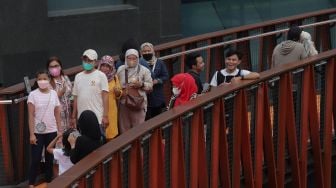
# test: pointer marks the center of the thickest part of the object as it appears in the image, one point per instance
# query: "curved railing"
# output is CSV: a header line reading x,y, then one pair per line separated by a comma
x,y
200,145
13,118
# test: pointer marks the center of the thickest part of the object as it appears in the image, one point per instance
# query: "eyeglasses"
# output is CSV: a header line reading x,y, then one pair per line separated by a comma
x,y
54,66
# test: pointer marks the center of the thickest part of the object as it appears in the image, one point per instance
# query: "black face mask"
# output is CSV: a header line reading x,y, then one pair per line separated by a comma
x,y
147,57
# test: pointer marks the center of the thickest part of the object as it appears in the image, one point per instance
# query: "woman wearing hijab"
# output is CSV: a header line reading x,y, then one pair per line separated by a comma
x,y
107,66
138,80
156,98
184,89
308,44
88,139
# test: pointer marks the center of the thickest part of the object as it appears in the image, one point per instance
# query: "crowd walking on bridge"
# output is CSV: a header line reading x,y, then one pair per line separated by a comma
x,y
70,120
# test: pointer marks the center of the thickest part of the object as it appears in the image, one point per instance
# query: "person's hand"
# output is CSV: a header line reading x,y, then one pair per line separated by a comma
x,y
72,140
32,139
137,84
105,122
116,91
155,81
224,84
236,79
73,123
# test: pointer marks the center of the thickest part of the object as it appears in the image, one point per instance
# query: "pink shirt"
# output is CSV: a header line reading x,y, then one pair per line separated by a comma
x,y
45,104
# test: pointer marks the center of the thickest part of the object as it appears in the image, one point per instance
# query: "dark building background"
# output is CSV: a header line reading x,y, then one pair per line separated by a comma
x,y
30,32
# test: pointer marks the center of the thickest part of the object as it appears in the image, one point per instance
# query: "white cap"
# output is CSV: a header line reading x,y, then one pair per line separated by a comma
x,y
91,54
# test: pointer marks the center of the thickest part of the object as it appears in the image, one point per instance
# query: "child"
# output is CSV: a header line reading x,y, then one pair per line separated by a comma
x,y
62,155
44,124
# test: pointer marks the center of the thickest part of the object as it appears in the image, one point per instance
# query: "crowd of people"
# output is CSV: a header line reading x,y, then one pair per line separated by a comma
x,y
69,120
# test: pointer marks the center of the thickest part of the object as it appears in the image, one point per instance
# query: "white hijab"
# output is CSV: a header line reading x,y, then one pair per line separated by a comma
x,y
150,45
308,44
131,70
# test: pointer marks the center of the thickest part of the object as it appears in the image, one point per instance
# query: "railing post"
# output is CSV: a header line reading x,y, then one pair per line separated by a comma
x,y
287,123
241,122
135,166
5,144
266,46
264,139
309,119
329,101
115,171
178,177
198,163
156,160
220,168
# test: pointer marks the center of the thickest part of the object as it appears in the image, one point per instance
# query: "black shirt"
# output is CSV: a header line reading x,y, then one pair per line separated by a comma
x,y
198,81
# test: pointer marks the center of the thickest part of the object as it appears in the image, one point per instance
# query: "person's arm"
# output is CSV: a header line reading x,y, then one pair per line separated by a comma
x,y
57,112
31,122
74,113
163,74
105,121
52,144
251,76
74,152
147,81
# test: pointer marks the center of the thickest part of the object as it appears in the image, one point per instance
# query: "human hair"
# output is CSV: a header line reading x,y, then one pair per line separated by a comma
x,y
130,43
37,74
232,52
294,33
51,59
65,142
54,58
191,59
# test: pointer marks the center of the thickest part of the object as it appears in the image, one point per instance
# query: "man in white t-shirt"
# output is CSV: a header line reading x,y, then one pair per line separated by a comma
x,y
231,72
90,90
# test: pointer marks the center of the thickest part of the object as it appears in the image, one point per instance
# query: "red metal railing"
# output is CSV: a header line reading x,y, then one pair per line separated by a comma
x,y
14,131
216,170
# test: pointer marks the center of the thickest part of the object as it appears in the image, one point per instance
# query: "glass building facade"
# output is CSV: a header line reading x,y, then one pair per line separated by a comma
x,y
203,16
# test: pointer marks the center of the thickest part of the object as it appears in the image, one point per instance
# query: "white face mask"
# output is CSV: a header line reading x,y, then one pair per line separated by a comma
x,y
176,91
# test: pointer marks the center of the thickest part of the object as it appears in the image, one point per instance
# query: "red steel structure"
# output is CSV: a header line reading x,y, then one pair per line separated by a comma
x,y
195,145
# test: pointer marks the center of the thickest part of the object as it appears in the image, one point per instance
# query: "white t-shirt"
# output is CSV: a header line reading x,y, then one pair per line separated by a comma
x,y
88,89
64,162
224,73
45,104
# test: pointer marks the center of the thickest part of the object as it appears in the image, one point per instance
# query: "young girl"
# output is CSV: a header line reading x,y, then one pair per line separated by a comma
x,y
44,125
62,155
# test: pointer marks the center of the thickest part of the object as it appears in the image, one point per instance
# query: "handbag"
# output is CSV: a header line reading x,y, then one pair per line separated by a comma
x,y
133,100
41,126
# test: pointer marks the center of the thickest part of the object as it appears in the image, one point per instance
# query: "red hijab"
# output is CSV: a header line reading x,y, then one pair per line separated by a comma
x,y
188,87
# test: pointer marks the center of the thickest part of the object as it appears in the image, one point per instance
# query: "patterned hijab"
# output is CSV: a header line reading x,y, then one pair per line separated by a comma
x,y
108,60
188,87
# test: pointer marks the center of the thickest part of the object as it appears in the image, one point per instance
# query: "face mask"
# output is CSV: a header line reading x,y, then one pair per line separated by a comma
x,y
43,84
131,63
176,91
147,57
56,71
87,66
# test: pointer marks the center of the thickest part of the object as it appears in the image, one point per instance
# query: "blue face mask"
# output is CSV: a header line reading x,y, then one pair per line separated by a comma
x,y
87,66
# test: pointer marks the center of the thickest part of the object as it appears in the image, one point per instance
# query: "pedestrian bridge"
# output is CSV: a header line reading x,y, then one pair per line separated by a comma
x,y
277,131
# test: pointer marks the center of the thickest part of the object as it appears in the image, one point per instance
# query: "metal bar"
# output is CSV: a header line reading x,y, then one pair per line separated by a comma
x,y
328,117
184,52
6,101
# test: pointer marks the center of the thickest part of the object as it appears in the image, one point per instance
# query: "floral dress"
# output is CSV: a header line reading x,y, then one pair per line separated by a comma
x,y
65,100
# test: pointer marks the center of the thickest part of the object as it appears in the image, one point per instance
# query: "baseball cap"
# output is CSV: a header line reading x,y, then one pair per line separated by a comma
x,y
91,54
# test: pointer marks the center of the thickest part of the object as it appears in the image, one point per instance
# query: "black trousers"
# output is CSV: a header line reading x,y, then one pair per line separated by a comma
x,y
43,141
